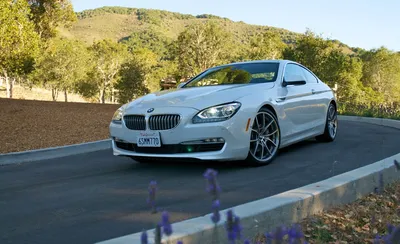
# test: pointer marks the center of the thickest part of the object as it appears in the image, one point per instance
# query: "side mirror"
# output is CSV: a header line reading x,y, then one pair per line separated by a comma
x,y
181,84
293,80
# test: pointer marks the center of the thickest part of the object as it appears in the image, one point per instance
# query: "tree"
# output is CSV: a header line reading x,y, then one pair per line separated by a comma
x,y
62,66
132,81
346,72
382,73
150,39
330,64
199,47
107,59
48,15
312,51
18,41
266,45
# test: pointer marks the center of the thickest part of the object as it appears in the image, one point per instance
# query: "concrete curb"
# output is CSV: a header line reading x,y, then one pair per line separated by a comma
x,y
285,208
53,152
377,121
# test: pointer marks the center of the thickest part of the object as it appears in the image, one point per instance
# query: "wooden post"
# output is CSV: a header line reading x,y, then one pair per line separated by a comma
x,y
335,88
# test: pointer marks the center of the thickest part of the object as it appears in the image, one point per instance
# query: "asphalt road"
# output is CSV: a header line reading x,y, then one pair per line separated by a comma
x,y
96,196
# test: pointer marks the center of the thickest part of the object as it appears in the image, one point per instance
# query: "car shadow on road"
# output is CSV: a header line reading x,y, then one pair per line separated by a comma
x,y
176,164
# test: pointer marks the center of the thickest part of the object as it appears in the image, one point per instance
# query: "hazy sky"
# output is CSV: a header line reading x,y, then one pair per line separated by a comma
x,y
358,23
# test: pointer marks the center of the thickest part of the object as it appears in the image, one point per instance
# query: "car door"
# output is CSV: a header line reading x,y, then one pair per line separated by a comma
x,y
297,103
319,109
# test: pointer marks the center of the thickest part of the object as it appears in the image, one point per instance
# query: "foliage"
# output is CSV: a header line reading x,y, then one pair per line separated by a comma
x,y
107,58
62,65
48,15
373,109
382,73
101,11
132,81
266,45
150,39
200,47
19,44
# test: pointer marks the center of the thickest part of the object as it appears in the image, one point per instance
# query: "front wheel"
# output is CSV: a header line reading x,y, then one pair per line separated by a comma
x,y
264,138
331,125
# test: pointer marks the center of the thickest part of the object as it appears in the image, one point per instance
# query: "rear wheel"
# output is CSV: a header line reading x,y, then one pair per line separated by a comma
x,y
264,138
331,125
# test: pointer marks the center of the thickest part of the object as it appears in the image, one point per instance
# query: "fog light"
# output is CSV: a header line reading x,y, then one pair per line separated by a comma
x,y
204,141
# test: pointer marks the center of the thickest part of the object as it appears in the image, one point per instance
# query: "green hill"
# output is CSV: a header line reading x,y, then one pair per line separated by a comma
x,y
119,23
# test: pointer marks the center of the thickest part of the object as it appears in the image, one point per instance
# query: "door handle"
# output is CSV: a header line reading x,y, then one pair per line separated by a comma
x,y
313,91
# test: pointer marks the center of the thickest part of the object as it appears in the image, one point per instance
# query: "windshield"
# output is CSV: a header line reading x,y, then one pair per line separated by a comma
x,y
237,74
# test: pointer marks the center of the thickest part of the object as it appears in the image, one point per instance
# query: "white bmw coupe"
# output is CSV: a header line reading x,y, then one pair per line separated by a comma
x,y
240,111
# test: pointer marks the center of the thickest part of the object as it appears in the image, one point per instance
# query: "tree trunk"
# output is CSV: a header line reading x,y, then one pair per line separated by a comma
x,y
9,86
102,95
54,94
66,95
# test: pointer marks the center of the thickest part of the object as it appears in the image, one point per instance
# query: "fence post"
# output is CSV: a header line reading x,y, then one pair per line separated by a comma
x,y
335,88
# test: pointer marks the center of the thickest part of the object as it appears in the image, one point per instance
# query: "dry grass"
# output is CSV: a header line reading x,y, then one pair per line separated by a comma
x,y
27,125
20,92
357,222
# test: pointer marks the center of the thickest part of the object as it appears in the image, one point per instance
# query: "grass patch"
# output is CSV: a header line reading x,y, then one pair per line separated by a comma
x,y
358,222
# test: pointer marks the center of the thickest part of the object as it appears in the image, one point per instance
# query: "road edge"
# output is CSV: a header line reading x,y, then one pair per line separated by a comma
x,y
376,121
289,207
53,152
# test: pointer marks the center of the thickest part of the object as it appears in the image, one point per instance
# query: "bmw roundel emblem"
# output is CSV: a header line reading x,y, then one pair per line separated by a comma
x,y
150,110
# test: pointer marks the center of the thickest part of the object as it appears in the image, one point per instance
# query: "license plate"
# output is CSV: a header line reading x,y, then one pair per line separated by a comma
x,y
149,140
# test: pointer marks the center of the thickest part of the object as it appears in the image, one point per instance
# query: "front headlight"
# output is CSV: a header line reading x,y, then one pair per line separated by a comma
x,y
217,113
117,117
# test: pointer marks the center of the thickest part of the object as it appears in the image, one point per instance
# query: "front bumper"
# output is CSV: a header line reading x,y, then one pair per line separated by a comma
x,y
183,140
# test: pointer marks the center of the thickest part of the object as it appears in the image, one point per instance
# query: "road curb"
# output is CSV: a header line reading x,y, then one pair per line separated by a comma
x,y
377,121
264,215
53,152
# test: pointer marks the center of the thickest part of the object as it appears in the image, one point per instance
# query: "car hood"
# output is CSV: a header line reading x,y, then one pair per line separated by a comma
x,y
196,97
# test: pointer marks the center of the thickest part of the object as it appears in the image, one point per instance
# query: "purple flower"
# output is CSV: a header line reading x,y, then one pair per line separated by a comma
x,y
167,227
152,195
216,217
237,228
179,242
233,227
278,234
246,241
144,238
212,184
295,232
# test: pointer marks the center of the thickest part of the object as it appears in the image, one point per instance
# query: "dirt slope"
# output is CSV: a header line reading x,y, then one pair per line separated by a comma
x,y
27,124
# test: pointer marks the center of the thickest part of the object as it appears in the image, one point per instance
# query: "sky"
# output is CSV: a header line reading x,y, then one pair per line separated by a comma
x,y
358,23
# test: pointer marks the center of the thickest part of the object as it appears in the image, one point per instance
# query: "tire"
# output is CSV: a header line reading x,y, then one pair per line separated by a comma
x,y
331,125
263,150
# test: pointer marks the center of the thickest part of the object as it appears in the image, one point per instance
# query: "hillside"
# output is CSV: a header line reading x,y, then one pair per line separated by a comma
x,y
119,23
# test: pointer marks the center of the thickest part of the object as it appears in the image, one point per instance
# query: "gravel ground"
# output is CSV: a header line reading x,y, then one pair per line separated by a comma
x,y
28,124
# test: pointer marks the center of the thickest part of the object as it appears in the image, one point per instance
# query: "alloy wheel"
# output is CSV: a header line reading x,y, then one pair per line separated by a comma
x,y
264,139
332,121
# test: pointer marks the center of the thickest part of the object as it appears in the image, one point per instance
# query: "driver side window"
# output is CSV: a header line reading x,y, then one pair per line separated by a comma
x,y
294,72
